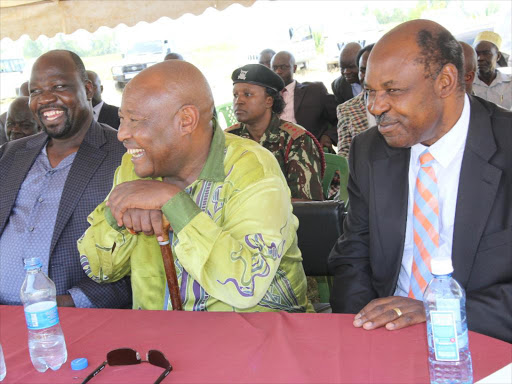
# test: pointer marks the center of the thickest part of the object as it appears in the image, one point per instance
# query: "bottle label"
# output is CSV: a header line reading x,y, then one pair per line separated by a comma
x,y
41,315
444,334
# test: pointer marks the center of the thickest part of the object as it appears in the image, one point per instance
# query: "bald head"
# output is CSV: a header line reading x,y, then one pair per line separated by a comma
x,y
283,63
470,64
20,122
348,62
173,56
97,88
24,89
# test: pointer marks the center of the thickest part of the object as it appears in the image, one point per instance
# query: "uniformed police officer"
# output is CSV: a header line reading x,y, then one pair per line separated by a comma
x,y
257,103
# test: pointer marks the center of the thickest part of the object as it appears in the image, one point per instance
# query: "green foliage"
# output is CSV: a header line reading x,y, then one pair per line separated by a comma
x,y
397,15
319,41
33,49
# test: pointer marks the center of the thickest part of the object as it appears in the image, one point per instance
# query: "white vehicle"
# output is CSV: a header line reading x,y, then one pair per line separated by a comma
x,y
139,56
11,77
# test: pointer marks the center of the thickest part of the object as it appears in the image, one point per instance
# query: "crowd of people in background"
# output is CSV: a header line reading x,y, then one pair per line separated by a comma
x,y
416,94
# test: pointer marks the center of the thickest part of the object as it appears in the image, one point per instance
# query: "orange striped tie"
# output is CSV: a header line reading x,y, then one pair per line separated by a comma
x,y
425,226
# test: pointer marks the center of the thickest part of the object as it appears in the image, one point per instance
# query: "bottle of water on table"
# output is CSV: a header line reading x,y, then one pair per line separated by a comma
x,y
3,370
46,342
447,330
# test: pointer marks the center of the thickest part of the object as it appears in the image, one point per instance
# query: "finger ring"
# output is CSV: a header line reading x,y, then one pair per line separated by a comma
x,y
398,311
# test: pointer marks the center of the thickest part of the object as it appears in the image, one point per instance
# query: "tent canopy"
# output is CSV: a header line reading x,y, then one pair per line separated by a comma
x,y
49,17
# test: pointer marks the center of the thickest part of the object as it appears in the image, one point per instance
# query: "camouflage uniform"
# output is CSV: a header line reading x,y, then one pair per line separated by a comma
x,y
303,168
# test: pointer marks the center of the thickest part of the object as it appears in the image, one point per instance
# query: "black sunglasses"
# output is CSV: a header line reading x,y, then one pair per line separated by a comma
x,y
128,356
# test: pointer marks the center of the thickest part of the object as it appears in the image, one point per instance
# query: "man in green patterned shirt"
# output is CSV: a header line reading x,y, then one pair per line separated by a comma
x,y
233,231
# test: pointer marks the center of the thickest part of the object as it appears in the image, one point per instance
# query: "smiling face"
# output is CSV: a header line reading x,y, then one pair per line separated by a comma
x,y
400,96
20,121
59,98
148,130
251,103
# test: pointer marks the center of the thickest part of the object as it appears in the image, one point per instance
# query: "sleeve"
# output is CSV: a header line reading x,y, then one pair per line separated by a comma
x,y
304,170
236,256
349,260
344,137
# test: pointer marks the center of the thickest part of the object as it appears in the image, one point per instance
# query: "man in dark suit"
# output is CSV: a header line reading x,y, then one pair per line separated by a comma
x,y
415,86
307,104
103,112
51,181
347,85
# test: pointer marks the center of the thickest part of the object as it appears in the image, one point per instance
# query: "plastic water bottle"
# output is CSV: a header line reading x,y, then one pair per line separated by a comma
x,y
447,330
3,369
46,342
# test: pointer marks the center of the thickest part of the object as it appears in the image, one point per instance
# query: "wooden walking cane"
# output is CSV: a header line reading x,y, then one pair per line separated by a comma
x,y
170,270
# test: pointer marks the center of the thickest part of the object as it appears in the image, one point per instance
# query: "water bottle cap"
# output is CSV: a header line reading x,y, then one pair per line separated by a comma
x,y
441,266
32,263
80,363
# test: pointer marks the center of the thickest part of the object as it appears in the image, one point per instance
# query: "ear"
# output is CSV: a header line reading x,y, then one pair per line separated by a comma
x,y
89,91
469,77
269,102
101,89
188,119
294,68
446,82
498,56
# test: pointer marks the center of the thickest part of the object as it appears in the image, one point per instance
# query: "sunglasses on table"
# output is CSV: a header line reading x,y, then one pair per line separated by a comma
x,y
128,356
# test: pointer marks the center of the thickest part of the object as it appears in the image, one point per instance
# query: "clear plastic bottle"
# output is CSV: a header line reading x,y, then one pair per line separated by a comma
x,y
46,342
3,369
447,331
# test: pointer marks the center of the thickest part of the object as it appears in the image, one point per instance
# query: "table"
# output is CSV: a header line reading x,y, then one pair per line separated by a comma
x,y
237,348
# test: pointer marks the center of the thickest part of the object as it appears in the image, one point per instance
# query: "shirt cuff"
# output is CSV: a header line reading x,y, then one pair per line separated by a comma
x,y
81,301
180,210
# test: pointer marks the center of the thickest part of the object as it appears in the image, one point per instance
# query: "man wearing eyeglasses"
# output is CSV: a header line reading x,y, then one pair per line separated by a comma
x,y
307,104
233,232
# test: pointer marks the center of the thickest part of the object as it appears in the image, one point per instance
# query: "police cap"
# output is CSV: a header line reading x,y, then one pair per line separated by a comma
x,y
258,74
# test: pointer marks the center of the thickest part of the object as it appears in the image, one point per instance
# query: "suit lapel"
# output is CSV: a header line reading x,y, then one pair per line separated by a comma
x,y
478,184
23,160
390,188
88,158
298,96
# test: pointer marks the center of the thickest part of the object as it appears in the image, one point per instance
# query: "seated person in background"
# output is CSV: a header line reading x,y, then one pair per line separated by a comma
x,y
266,57
173,56
347,86
103,112
50,182
432,180
307,104
3,116
353,116
233,232
20,120
257,104
470,65
491,84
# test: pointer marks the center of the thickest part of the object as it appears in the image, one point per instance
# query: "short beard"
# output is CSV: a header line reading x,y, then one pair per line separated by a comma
x,y
68,126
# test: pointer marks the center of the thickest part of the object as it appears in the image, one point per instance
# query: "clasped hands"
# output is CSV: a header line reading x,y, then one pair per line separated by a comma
x,y
137,205
383,312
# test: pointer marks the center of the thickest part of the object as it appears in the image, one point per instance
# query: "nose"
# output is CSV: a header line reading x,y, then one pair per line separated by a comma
x,y
123,133
46,97
377,103
237,100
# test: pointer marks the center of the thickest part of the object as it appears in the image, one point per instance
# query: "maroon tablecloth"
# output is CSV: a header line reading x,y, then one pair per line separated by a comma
x,y
237,348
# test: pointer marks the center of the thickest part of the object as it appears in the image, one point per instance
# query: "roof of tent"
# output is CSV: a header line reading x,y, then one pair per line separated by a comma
x,y
49,17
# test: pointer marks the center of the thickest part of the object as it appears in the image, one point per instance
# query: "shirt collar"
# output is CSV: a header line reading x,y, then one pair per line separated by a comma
x,y
97,108
213,169
500,78
446,148
291,87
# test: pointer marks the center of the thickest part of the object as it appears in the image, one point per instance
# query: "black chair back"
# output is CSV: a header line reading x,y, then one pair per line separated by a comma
x,y
320,226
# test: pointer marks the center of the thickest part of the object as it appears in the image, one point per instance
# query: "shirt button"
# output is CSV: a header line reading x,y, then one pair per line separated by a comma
x,y
31,229
40,199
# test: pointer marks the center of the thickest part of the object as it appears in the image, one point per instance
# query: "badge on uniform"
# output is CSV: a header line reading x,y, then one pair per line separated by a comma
x,y
242,75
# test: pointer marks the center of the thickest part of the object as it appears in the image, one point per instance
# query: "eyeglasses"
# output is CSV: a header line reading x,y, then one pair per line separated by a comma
x,y
283,67
128,356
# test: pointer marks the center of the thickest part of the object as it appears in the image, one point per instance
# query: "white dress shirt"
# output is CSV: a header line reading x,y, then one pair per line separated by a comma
x,y
447,152
96,110
288,94
499,92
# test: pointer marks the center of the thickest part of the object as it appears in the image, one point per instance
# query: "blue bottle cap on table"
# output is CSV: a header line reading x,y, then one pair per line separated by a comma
x,y
80,363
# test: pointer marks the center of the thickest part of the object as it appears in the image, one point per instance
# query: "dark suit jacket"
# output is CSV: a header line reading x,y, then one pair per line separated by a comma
x,y
315,109
109,115
366,260
342,90
88,183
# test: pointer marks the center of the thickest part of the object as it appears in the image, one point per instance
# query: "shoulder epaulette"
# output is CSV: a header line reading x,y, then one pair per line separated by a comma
x,y
233,127
293,130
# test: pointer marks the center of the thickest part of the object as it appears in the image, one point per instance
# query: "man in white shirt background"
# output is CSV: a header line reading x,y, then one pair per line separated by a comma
x,y
102,112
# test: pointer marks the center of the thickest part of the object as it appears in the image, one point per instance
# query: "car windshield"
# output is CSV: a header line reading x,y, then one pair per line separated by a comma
x,y
146,47
12,65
